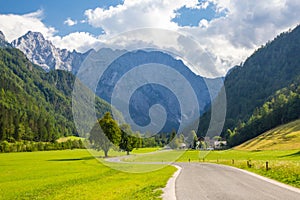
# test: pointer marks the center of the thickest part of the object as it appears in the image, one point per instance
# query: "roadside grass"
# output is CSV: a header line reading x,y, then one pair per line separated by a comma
x,y
284,166
74,174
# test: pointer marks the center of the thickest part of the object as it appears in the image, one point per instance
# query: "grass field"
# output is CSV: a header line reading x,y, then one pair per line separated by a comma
x,y
285,137
284,166
74,174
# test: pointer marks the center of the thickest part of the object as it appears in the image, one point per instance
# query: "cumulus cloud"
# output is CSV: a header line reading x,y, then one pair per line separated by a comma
x,y
247,25
70,22
80,41
13,26
228,40
133,14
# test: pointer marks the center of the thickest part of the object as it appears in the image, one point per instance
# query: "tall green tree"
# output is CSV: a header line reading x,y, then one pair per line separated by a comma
x,y
129,141
105,134
110,128
192,139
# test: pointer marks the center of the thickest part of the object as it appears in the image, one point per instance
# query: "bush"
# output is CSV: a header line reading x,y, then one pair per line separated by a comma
x,y
4,146
29,146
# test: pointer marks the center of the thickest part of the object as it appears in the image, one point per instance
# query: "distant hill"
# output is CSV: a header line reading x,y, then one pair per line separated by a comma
x,y
271,68
284,137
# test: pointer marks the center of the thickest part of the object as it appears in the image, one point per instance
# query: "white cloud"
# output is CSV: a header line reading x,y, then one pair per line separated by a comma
x,y
80,41
203,5
13,26
203,23
247,25
133,14
70,22
229,39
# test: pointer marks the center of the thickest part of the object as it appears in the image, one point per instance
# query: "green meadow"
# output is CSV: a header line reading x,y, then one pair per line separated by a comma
x,y
75,174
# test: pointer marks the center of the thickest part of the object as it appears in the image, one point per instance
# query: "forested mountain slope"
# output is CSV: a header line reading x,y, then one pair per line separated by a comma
x,y
280,108
271,68
35,105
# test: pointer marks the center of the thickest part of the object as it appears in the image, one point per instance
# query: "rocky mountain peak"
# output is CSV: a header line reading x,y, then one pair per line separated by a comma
x,y
2,36
3,42
42,52
36,35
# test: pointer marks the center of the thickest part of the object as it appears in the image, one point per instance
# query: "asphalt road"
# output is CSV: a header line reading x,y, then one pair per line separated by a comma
x,y
199,181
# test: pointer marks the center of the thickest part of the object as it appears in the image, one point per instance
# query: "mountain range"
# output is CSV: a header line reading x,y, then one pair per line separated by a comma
x,y
43,53
152,93
261,93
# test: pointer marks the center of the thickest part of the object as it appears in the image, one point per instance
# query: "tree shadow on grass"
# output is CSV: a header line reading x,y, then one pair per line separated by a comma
x,y
297,154
73,159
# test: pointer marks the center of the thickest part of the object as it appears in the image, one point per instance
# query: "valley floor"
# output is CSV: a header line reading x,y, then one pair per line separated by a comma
x,y
74,174
77,174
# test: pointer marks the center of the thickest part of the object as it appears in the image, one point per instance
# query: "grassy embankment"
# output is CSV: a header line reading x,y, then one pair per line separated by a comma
x,y
285,137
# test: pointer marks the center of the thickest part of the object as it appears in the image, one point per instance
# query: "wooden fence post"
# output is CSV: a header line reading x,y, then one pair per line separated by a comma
x,y
267,165
249,163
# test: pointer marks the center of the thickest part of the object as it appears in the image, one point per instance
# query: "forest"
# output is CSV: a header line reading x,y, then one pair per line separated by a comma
x,y
280,108
35,105
268,79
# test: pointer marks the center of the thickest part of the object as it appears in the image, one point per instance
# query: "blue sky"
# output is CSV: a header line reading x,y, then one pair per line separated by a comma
x,y
228,30
56,12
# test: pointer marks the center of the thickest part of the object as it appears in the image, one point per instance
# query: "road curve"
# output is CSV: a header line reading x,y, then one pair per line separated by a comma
x,y
206,181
